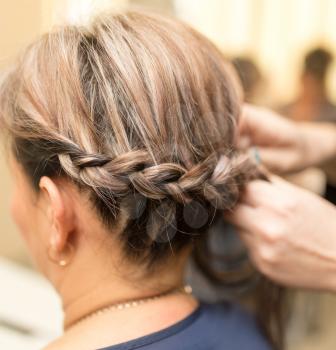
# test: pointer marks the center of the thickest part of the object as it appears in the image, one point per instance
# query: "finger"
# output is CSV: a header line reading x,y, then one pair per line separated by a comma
x,y
254,124
247,118
276,159
259,193
243,216
247,123
280,182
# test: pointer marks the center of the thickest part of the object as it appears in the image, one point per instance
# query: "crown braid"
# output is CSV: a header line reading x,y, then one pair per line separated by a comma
x,y
217,178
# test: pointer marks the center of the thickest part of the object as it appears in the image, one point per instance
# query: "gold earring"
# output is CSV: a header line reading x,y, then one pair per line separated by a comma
x,y
63,258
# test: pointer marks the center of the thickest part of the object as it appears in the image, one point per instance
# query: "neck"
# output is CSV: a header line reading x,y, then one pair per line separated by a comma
x,y
86,292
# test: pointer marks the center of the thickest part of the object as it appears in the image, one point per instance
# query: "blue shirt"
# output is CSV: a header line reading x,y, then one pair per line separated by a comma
x,y
223,326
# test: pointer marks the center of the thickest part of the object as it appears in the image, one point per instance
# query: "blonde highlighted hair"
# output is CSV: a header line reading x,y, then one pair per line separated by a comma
x,y
139,110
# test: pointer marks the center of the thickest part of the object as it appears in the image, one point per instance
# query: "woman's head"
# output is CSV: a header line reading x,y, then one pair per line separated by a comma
x,y
134,117
122,145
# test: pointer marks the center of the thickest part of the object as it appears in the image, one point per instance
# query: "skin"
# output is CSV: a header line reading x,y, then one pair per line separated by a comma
x,y
290,233
97,273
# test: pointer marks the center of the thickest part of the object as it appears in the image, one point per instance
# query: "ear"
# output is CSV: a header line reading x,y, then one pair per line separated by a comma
x,y
60,213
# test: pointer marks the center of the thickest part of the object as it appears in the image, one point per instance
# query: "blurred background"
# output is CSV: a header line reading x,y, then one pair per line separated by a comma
x,y
284,53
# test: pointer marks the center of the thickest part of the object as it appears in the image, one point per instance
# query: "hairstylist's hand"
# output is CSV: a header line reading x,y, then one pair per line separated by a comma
x,y
290,234
285,146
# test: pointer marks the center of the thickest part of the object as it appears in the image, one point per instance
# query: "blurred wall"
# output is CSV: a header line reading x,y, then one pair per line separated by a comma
x,y
276,33
166,6
20,22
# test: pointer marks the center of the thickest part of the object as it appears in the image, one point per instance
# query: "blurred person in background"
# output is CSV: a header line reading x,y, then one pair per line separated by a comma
x,y
250,77
253,81
313,104
122,146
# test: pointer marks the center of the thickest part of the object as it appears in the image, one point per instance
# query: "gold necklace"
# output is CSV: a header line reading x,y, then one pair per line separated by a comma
x,y
132,303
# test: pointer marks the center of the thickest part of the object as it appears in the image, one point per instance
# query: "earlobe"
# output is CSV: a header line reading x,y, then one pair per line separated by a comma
x,y
62,258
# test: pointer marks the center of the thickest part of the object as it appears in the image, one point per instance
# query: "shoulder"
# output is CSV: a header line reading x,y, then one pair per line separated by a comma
x,y
229,313
235,326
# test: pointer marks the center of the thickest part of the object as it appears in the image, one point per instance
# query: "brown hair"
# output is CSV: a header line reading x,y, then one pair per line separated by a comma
x,y
141,111
317,63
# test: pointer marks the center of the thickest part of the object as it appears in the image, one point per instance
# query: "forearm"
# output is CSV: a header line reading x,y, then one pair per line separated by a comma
x,y
319,142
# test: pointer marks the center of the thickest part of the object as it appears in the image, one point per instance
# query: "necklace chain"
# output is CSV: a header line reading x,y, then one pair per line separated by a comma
x,y
132,303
